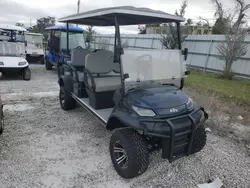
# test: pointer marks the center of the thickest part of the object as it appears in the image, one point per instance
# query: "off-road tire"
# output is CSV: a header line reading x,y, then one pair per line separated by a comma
x,y
1,118
60,71
66,101
48,65
27,74
136,149
199,140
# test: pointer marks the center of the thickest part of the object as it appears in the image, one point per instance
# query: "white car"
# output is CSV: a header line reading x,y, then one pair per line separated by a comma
x,y
12,51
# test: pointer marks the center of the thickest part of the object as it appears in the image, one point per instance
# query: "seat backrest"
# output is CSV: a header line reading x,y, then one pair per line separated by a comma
x,y
101,62
78,57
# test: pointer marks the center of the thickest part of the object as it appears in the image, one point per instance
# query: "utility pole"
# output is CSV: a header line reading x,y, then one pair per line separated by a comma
x,y
78,8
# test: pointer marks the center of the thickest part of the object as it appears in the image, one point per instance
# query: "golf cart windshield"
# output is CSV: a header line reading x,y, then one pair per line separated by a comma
x,y
75,40
12,36
12,43
20,36
151,66
34,41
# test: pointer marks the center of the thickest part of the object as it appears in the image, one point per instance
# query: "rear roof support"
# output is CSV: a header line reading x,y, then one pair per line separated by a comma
x,y
68,38
179,35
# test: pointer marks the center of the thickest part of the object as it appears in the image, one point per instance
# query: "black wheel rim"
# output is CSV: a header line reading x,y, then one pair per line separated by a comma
x,y
120,154
62,97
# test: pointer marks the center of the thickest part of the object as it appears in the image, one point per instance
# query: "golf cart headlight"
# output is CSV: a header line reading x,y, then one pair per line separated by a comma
x,y
22,63
143,111
190,104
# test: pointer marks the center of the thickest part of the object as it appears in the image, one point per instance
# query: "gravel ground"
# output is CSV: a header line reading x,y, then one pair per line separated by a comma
x,y
44,146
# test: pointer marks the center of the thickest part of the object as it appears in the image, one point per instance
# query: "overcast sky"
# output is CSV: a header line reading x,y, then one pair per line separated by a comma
x,y
12,11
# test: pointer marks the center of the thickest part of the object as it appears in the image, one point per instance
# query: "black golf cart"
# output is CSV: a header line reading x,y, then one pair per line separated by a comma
x,y
134,92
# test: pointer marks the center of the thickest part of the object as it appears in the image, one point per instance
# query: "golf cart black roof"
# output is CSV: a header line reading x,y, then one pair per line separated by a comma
x,y
126,15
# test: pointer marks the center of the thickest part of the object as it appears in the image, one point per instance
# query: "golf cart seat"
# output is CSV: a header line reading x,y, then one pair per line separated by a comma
x,y
78,64
102,78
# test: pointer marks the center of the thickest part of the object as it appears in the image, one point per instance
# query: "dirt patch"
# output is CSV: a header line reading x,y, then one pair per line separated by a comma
x,y
225,118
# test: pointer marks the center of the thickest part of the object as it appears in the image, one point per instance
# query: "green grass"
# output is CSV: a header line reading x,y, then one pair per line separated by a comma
x,y
237,91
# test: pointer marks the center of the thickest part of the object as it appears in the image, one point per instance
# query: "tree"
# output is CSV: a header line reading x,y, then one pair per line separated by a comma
x,y
199,23
153,25
142,31
42,23
205,20
104,44
89,35
170,41
182,10
222,19
189,22
235,33
220,26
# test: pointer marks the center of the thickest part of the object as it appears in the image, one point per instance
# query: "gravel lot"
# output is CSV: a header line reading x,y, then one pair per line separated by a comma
x,y
44,146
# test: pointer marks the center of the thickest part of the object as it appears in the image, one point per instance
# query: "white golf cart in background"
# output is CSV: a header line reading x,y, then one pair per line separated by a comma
x,y
34,48
12,51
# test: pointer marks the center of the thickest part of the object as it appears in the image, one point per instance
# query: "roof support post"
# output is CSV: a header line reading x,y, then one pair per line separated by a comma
x,y
68,38
179,35
118,51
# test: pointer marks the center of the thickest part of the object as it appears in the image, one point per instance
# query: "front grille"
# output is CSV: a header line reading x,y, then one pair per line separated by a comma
x,y
171,111
182,124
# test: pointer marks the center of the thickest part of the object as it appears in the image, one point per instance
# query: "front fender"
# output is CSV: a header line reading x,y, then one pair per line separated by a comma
x,y
121,118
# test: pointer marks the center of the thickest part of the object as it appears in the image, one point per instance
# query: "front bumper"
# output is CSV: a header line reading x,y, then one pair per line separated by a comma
x,y
12,69
176,133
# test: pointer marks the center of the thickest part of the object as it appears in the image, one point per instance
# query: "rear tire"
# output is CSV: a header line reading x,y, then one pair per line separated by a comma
x,y
66,101
60,71
129,153
27,74
199,140
48,65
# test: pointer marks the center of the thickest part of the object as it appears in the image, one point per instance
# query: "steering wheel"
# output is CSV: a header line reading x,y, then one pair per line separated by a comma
x,y
95,50
79,47
144,66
